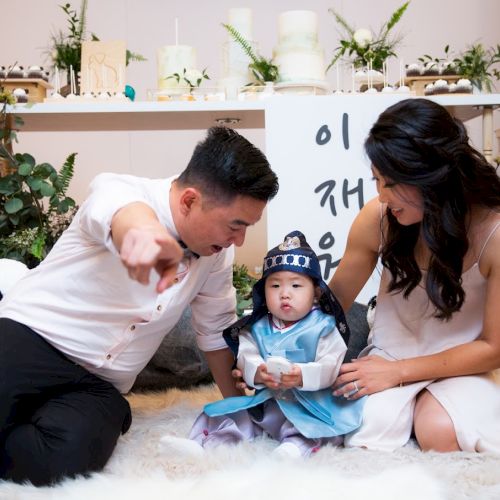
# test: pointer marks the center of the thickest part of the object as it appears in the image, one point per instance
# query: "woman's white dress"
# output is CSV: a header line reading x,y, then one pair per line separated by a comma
x,y
406,328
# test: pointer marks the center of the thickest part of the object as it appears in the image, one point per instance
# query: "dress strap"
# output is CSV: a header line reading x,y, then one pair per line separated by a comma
x,y
495,227
382,207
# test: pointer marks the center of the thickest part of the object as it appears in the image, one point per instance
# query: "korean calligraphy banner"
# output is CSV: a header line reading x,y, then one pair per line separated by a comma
x,y
315,146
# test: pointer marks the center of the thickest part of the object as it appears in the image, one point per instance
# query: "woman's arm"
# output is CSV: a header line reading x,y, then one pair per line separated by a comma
x,y
360,257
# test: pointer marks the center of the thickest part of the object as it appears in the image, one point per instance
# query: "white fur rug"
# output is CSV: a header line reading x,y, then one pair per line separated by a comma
x,y
249,471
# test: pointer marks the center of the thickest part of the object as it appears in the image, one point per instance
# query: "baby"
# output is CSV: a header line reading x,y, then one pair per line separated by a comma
x,y
290,349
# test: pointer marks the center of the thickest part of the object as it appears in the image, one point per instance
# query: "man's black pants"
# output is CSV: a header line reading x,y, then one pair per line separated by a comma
x,y
56,418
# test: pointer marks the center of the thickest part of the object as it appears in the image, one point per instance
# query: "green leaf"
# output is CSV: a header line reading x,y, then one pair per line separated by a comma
x,y
66,173
44,170
13,205
14,219
7,185
38,246
397,16
27,158
46,189
24,169
34,183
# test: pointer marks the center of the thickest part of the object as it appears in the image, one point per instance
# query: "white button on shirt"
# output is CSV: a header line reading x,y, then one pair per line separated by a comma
x,y
82,301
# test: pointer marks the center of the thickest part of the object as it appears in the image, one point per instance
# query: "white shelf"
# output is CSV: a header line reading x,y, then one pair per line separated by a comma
x,y
178,115
141,115
465,107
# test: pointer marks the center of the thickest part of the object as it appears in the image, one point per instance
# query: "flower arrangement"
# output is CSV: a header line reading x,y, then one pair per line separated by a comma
x,y
191,78
66,48
264,70
363,47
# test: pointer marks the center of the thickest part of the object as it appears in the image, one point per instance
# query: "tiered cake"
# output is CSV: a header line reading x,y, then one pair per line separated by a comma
x,y
298,53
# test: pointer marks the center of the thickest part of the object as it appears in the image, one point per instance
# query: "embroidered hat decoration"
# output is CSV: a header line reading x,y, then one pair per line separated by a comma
x,y
294,255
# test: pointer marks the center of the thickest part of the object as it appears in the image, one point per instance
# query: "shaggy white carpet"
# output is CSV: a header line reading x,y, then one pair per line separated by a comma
x,y
249,471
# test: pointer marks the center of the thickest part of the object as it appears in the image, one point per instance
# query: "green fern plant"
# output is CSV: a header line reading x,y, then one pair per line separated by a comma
x,y
262,69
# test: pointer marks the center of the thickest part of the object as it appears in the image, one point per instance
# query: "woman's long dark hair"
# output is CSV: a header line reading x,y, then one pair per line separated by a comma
x,y
418,143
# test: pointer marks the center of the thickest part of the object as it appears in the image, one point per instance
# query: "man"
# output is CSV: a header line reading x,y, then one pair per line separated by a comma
x,y
75,331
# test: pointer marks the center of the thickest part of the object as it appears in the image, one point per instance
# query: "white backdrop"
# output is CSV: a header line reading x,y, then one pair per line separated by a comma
x,y
316,149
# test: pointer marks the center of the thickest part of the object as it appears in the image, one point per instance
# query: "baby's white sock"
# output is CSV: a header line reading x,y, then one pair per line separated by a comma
x,y
180,447
287,450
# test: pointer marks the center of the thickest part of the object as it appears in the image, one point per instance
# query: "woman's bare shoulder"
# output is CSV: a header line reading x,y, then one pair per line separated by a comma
x,y
368,225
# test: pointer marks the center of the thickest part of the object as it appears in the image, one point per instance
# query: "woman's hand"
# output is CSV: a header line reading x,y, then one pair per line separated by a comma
x,y
367,375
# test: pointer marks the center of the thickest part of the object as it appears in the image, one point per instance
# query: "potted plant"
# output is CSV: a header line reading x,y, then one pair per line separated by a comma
x,y
66,48
34,207
476,63
243,283
364,48
264,70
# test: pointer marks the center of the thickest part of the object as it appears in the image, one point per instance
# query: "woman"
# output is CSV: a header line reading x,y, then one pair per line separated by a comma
x,y
436,334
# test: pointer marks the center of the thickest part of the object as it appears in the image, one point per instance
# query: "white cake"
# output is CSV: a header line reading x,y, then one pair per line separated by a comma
x,y
298,54
174,59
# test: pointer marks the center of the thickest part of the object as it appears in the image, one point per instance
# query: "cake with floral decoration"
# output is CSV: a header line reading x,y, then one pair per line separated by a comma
x,y
298,54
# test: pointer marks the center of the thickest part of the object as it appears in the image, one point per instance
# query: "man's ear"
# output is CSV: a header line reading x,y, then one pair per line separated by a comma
x,y
189,198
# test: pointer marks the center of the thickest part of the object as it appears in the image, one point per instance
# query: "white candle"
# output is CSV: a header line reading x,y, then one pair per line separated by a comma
x,y
57,81
71,78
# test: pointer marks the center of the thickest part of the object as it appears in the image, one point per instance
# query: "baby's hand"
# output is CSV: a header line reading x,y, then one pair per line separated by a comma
x,y
292,379
263,377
